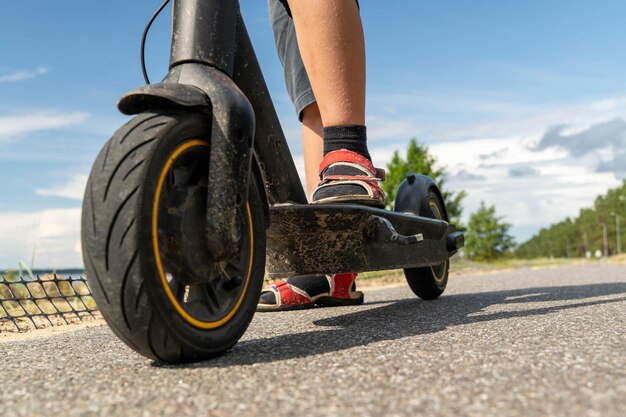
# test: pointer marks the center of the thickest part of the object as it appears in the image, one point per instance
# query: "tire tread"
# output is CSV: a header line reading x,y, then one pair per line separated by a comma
x,y
113,248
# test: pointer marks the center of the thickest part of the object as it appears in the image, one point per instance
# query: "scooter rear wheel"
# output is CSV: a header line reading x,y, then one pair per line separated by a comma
x,y
420,197
143,225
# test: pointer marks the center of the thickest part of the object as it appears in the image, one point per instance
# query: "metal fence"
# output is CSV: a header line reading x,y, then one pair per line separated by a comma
x,y
43,301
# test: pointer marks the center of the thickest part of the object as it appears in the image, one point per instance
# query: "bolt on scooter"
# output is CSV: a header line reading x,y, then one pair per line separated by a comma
x,y
192,202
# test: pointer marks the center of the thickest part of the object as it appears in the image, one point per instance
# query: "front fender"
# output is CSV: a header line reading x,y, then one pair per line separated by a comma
x,y
163,95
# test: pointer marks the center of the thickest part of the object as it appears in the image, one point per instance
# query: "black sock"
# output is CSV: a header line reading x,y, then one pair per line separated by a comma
x,y
350,137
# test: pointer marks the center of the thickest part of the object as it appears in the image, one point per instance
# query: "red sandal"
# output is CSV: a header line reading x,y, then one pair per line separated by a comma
x,y
311,290
348,177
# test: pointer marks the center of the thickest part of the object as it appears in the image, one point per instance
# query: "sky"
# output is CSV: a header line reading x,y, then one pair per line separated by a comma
x,y
523,103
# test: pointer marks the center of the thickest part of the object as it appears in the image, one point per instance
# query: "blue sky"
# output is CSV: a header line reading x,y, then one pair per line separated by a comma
x,y
480,82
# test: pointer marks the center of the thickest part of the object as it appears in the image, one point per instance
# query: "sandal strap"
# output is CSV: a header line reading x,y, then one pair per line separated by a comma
x,y
341,285
351,177
344,155
286,293
371,187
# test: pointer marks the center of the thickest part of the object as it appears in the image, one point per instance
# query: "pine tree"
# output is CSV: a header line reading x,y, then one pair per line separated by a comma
x,y
487,237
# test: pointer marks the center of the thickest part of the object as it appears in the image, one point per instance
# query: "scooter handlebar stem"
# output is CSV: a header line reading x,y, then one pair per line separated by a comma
x,y
204,32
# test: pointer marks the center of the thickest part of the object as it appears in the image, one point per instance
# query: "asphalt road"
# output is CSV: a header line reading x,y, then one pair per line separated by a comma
x,y
519,343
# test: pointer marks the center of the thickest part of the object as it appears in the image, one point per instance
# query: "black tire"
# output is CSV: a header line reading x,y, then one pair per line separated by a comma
x,y
119,240
429,282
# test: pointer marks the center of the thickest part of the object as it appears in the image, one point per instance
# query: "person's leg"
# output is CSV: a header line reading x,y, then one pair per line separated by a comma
x,y
301,292
331,43
299,90
312,146
308,291
332,46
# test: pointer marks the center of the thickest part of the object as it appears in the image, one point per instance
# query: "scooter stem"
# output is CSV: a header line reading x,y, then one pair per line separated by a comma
x,y
204,32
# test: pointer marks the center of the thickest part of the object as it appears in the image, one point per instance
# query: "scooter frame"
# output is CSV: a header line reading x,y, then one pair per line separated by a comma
x,y
213,68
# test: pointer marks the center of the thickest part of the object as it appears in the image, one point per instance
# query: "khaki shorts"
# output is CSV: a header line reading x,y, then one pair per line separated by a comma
x,y
298,85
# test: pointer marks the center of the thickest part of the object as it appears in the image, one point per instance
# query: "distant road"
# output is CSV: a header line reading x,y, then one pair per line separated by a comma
x,y
517,343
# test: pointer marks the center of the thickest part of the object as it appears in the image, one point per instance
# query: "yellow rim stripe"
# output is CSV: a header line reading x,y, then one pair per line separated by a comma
x,y
157,256
438,278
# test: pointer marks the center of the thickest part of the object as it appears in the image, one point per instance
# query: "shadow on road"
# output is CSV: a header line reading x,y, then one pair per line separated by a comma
x,y
411,317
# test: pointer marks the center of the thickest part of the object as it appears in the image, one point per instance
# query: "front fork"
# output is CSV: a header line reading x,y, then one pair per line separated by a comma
x,y
203,56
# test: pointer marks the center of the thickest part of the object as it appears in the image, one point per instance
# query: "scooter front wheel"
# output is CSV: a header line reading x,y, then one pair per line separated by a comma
x,y
143,237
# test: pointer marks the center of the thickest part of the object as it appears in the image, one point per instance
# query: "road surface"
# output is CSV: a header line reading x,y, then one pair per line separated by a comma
x,y
517,343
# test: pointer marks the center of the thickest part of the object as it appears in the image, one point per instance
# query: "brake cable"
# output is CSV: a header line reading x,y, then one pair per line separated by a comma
x,y
143,40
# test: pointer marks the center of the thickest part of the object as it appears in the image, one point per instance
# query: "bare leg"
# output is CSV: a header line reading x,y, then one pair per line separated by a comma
x,y
312,145
331,44
331,41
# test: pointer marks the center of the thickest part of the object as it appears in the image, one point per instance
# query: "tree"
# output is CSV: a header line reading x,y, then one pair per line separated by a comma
x,y
420,161
573,237
487,237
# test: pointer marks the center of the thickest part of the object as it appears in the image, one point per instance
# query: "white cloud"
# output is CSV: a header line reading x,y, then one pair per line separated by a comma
x,y
535,121
556,186
469,114
380,128
22,75
446,101
556,183
73,189
11,126
53,235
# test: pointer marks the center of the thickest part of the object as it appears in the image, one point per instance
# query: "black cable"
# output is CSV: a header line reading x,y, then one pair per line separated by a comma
x,y
143,40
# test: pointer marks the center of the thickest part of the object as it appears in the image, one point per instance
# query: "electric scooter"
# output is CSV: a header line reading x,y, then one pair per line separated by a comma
x,y
191,203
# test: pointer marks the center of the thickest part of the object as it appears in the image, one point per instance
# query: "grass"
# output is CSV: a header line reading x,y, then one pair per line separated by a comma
x,y
538,262
617,259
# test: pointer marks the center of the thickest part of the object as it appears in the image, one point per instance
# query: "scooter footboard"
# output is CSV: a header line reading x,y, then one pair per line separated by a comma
x,y
311,239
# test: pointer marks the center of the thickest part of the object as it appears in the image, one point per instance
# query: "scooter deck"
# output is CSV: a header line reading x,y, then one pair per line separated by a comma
x,y
333,238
